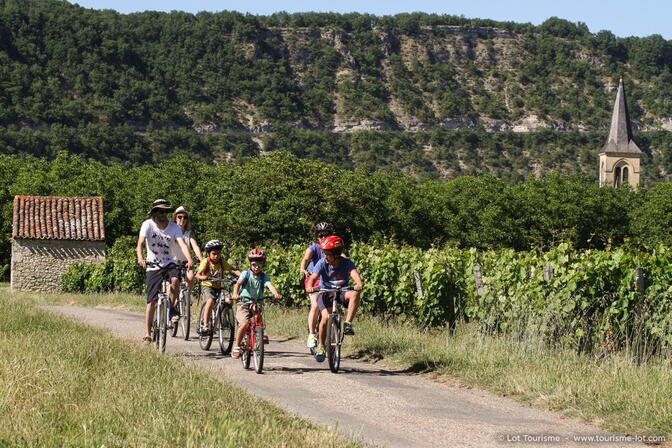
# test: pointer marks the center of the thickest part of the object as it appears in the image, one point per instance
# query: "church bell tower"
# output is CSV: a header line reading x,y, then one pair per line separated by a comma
x,y
620,157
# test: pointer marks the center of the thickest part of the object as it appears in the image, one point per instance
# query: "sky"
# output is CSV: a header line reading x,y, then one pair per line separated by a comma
x,y
621,17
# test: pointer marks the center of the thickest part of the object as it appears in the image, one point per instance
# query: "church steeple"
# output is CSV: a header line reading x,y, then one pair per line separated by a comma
x,y
619,158
620,133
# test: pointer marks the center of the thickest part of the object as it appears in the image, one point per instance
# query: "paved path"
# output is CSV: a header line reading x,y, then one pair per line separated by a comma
x,y
377,406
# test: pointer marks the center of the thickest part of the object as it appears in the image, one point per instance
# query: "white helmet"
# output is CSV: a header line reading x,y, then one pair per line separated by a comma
x,y
213,245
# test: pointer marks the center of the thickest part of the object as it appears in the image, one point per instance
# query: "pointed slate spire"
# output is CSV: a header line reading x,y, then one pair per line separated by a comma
x,y
620,133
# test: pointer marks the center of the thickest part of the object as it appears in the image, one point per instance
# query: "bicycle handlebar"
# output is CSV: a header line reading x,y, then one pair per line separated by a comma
x,y
171,265
221,280
258,299
342,288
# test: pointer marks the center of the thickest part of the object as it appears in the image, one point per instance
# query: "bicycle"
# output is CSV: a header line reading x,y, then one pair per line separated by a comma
x,y
221,319
183,306
161,321
333,340
252,346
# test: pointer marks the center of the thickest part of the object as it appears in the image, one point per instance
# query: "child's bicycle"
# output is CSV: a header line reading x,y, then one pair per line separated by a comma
x,y
253,342
333,340
221,321
161,321
183,306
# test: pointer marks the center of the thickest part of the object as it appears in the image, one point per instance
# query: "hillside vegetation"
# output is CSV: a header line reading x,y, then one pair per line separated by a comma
x,y
476,96
277,198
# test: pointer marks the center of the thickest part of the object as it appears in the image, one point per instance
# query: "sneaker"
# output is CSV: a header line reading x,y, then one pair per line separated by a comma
x,y
204,331
235,353
174,314
320,353
312,341
347,329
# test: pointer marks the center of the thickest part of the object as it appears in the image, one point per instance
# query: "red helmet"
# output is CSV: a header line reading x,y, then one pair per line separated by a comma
x,y
332,243
256,254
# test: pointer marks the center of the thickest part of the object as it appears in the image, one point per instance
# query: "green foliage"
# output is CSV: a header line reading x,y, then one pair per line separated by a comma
x,y
75,276
275,199
589,302
652,220
135,88
143,88
100,278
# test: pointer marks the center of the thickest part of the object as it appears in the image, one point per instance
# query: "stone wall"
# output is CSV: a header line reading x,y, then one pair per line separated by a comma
x,y
38,265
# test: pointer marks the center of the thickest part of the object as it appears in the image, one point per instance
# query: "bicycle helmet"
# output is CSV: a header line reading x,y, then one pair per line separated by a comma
x,y
324,227
256,254
332,244
213,245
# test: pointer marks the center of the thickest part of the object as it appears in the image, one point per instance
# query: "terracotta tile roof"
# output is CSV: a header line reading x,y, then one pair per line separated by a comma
x,y
58,218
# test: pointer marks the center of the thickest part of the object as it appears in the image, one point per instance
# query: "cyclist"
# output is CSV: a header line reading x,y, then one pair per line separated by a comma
x,y
212,266
163,240
334,271
312,255
250,285
183,220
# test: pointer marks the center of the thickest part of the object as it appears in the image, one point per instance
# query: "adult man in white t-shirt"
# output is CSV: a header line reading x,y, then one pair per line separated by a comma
x,y
163,240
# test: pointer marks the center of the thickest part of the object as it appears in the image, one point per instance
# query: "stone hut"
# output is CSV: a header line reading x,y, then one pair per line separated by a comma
x,y
51,233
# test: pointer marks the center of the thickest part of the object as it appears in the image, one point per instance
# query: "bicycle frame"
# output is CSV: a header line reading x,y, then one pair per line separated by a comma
x,y
216,321
253,340
183,305
161,321
257,321
334,330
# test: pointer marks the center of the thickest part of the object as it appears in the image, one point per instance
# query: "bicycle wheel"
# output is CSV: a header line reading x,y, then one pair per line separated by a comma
x,y
258,349
185,313
226,330
245,351
333,342
162,316
205,340
174,325
155,330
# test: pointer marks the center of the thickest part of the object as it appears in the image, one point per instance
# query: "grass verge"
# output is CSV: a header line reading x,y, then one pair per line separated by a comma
x,y
612,393
69,385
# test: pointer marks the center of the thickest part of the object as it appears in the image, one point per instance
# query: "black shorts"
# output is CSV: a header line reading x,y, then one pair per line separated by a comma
x,y
154,282
325,299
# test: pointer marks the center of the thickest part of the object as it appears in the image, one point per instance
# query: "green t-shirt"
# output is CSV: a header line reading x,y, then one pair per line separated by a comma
x,y
254,287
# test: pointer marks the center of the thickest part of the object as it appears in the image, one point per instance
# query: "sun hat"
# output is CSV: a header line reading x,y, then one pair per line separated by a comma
x,y
160,204
181,209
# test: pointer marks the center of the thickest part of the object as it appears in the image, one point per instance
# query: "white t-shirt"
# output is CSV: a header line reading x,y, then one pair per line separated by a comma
x,y
162,245
186,236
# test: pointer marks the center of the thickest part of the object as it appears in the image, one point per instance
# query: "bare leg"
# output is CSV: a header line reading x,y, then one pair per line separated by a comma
x,y
206,311
149,317
353,303
323,326
174,288
240,333
312,314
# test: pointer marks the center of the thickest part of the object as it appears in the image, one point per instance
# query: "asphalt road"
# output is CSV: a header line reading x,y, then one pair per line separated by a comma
x,y
373,405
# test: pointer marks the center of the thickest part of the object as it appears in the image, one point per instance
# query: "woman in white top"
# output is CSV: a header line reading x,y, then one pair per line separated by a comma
x,y
182,219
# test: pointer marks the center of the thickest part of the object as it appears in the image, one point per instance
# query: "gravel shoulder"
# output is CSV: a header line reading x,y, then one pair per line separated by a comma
x,y
373,405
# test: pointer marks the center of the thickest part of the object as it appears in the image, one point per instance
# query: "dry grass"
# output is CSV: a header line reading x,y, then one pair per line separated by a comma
x,y
67,385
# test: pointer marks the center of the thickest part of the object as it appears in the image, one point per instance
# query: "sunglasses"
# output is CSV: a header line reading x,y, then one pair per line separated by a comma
x,y
257,264
181,217
322,235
